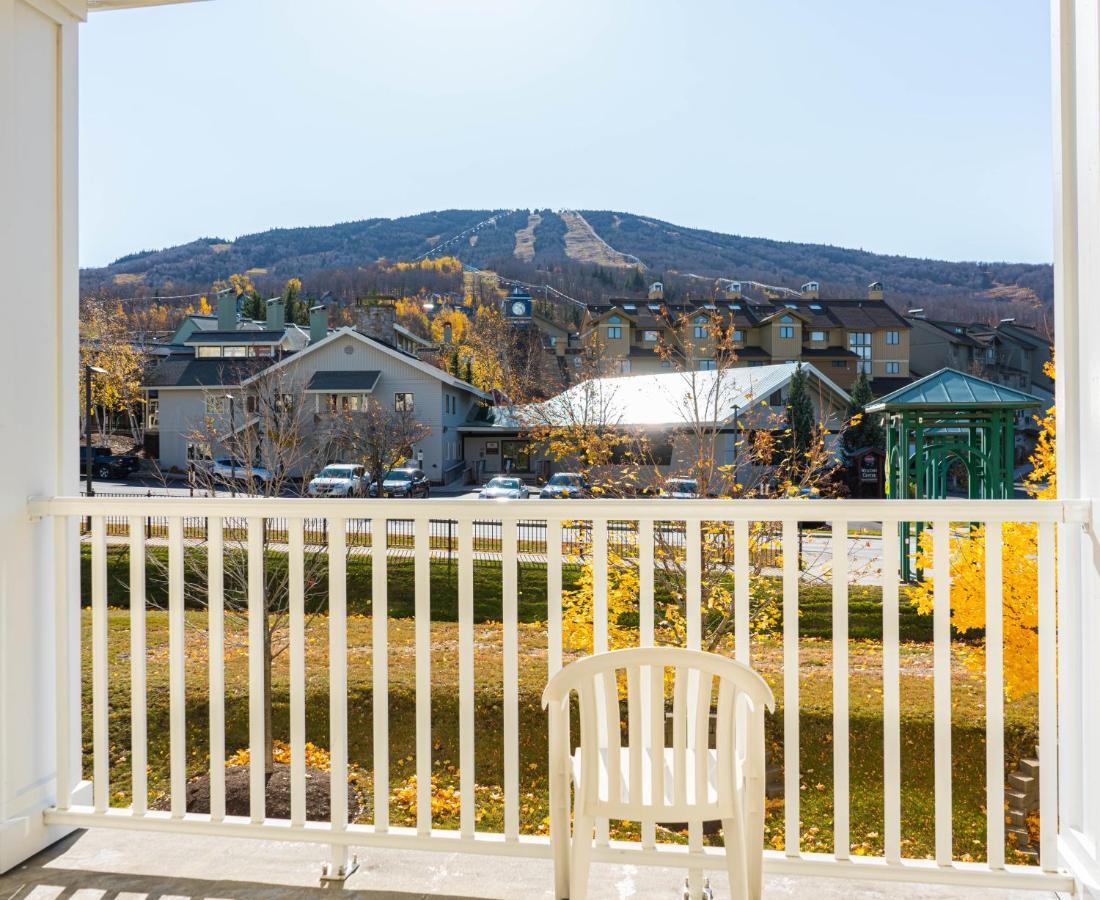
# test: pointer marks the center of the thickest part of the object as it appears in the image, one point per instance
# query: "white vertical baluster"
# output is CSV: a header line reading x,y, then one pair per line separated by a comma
x,y
693,589
599,633
177,698
511,679
994,699
257,615
1048,701
941,633
338,684
296,579
742,599
553,596
791,799
466,697
423,629
891,700
66,662
380,673
694,584
599,585
101,761
841,840
215,604
138,742
645,638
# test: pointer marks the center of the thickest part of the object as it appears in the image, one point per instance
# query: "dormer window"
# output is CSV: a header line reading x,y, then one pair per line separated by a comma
x,y
791,305
629,307
815,306
700,320
614,320
787,320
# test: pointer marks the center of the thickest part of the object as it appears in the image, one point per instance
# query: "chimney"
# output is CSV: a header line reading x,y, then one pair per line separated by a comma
x,y
276,314
318,324
227,311
874,291
811,290
448,333
379,321
656,291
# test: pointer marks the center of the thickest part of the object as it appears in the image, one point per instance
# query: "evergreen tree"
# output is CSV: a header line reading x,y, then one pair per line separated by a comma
x,y
455,363
469,371
862,430
800,412
636,282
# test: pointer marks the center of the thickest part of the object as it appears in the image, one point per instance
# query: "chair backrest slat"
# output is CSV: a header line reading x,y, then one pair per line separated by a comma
x,y
701,738
635,776
679,736
657,735
612,726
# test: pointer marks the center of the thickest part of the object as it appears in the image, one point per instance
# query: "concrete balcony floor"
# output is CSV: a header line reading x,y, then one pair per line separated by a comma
x,y
141,866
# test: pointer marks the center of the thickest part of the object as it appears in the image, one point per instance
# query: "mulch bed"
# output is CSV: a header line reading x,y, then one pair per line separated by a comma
x,y
277,802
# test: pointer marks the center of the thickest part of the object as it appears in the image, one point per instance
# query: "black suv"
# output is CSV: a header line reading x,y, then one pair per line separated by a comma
x,y
404,482
106,465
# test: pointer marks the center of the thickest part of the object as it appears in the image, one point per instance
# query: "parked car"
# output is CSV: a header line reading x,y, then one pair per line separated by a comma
x,y
106,464
405,482
680,489
504,488
339,480
565,486
233,471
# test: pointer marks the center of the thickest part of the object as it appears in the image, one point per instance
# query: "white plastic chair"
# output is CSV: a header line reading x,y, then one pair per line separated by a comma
x,y
691,782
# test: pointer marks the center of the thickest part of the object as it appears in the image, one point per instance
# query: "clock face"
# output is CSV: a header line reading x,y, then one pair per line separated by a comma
x,y
518,308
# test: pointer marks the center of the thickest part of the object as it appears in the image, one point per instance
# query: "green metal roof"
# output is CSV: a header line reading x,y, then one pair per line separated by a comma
x,y
950,389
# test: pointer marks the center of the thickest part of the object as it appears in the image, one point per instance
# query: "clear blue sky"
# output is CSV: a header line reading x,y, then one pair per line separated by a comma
x,y
912,128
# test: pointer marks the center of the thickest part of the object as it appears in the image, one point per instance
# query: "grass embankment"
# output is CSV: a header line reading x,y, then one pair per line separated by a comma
x,y
865,720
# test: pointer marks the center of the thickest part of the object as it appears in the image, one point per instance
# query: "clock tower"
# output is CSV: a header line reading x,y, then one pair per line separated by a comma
x,y
517,306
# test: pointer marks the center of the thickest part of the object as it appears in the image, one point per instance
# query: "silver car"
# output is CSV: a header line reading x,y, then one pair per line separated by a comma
x,y
502,488
339,480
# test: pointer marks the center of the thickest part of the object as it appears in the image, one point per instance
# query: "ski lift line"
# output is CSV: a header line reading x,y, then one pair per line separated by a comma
x,y
490,221
158,298
779,289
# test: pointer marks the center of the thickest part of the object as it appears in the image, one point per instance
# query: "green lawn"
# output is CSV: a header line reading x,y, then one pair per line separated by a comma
x,y
865,699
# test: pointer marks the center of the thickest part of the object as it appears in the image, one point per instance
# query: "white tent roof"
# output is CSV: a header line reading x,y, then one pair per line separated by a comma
x,y
670,398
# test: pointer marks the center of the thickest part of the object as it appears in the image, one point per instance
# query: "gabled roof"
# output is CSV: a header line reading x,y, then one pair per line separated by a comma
x,y
381,347
951,389
236,337
336,382
188,372
667,399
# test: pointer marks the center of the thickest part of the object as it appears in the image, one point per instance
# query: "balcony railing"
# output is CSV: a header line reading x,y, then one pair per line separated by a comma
x,y
550,536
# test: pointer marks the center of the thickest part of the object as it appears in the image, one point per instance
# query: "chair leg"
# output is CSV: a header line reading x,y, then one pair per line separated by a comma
x,y
736,862
581,856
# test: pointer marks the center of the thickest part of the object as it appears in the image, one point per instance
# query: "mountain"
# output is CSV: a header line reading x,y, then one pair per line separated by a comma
x,y
589,250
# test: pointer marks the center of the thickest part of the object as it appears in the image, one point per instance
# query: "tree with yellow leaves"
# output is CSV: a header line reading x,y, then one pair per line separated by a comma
x,y
1019,566
105,344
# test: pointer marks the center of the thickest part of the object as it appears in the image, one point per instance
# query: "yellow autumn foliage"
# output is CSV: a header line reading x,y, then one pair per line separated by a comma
x,y
1019,562
316,757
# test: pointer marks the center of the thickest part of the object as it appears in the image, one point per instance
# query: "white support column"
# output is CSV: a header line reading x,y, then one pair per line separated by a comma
x,y
38,388
1075,43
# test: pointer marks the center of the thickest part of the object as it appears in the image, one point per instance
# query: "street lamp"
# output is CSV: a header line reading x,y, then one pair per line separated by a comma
x,y
88,370
232,455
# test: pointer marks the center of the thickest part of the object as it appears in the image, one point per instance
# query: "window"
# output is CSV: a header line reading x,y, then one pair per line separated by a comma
x,y
786,331
215,406
614,332
893,368
700,320
700,332
707,365
787,320
251,404
614,320
738,336
403,402
859,342
893,337
208,352
235,352
552,340
650,337
817,335
776,399
152,411
840,364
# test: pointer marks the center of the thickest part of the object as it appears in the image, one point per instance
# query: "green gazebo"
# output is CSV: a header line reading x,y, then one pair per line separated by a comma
x,y
949,422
